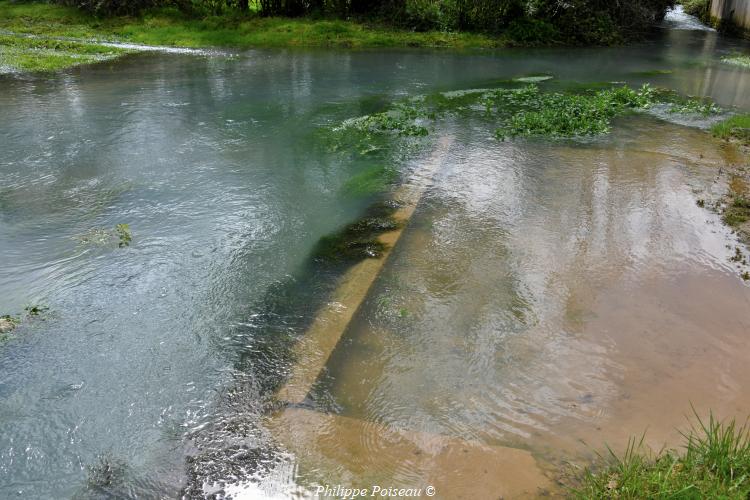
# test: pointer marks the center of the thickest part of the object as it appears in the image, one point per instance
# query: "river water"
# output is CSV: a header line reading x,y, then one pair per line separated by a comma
x,y
545,293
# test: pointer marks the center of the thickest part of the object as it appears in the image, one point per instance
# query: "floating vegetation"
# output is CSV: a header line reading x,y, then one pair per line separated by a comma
x,y
737,60
123,235
36,310
697,106
528,111
120,234
358,240
8,323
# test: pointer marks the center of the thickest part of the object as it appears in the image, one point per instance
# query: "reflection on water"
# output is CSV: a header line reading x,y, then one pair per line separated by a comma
x,y
513,313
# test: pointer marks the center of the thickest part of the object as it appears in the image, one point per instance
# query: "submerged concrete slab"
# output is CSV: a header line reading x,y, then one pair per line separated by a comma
x,y
363,454
317,344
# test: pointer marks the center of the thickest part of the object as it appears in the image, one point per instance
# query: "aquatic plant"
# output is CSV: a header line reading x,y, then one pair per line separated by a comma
x,y
715,463
738,60
530,112
737,212
8,323
123,234
99,236
35,310
704,107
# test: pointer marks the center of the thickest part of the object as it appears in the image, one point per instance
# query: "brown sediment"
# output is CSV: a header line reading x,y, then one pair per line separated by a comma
x,y
373,454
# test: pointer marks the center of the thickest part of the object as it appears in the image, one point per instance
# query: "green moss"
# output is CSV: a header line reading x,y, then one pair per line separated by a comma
x,y
715,463
735,127
372,181
358,240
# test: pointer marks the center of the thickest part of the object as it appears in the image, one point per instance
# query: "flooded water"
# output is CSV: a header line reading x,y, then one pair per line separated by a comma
x,y
545,294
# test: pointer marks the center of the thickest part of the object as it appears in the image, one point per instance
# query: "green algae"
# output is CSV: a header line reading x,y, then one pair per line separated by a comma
x,y
120,234
359,239
373,180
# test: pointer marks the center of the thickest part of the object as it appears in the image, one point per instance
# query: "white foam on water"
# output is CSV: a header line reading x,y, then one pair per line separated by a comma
x,y
678,19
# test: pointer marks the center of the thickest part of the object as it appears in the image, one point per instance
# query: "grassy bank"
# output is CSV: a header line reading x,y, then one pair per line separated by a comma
x,y
714,463
172,28
30,54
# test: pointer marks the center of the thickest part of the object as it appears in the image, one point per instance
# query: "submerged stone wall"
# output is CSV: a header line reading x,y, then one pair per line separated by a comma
x,y
736,12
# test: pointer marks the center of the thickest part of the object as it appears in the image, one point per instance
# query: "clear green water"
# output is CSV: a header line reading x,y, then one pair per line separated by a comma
x,y
164,349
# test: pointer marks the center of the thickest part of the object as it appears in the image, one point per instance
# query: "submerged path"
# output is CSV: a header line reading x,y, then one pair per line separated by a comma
x,y
317,344
454,467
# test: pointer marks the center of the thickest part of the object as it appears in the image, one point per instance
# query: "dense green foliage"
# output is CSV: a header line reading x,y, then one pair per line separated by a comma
x,y
525,21
171,27
715,464
697,8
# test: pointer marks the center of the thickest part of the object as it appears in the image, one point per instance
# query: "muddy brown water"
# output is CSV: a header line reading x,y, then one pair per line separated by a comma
x,y
527,319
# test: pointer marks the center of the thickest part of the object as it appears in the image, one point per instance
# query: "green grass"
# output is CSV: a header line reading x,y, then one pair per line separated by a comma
x,y
736,127
41,55
170,27
714,463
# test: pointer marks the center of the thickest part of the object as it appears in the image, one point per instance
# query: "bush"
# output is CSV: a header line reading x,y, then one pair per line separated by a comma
x,y
114,7
529,30
424,15
697,8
